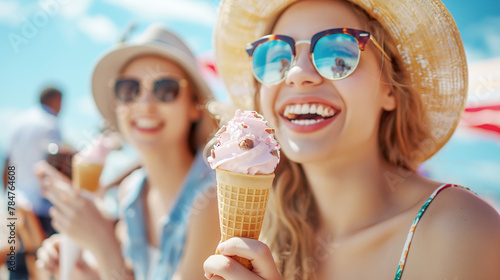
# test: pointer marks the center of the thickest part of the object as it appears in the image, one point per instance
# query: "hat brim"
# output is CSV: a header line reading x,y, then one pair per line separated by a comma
x,y
108,67
425,32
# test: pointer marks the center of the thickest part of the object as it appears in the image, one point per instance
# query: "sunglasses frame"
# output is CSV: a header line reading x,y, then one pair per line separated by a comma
x,y
361,37
181,81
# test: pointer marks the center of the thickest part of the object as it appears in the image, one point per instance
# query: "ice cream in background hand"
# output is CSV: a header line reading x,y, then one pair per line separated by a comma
x,y
87,167
97,151
246,145
245,157
88,164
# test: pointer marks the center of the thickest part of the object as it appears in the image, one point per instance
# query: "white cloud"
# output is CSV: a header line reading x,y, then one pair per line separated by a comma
x,y
75,8
99,28
186,10
10,12
484,82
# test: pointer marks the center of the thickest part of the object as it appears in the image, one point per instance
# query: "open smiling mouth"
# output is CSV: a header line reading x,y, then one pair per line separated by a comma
x,y
146,124
309,113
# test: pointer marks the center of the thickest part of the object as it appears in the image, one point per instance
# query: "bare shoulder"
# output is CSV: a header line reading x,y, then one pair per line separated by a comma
x,y
458,236
460,208
207,200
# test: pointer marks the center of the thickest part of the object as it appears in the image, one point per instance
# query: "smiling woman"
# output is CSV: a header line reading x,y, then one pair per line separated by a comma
x,y
367,94
151,92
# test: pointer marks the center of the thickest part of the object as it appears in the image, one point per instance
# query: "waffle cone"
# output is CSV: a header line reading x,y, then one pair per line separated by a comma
x,y
242,201
85,176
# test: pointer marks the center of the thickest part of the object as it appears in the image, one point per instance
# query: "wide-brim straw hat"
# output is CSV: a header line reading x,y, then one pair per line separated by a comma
x,y
156,40
425,32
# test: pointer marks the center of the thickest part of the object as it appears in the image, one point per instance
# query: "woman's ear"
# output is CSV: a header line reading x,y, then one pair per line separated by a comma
x,y
195,112
388,100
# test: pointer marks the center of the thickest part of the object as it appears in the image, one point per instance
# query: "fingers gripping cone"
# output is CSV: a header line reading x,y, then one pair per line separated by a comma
x,y
242,201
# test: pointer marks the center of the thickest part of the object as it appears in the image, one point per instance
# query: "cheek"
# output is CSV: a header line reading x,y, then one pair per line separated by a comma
x,y
267,101
122,113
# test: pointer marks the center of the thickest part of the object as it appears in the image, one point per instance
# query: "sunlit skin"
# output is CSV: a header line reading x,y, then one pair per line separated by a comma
x,y
168,123
365,204
160,132
341,157
358,100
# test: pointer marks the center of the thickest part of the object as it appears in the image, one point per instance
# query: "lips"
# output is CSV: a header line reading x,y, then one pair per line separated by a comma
x,y
308,116
147,124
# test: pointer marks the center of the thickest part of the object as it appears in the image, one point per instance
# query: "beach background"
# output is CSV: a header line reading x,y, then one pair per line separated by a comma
x,y
57,42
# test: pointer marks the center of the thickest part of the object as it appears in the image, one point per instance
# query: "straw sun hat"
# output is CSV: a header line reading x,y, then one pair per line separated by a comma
x,y
155,40
424,31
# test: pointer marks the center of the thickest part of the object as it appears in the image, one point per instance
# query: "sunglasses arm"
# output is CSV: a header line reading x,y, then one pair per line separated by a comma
x,y
379,47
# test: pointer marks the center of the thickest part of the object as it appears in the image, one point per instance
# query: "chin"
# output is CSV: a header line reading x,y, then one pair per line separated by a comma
x,y
305,152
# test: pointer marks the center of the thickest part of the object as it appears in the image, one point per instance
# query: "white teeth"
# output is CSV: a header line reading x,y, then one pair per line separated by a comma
x,y
303,109
287,111
319,111
306,122
312,110
330,112
297,109
147,123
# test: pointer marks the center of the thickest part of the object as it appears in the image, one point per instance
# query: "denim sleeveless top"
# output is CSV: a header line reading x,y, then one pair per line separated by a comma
x,y
173,236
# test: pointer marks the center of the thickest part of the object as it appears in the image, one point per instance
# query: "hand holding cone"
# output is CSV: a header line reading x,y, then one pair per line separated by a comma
x,y
86,168
245,158
242,203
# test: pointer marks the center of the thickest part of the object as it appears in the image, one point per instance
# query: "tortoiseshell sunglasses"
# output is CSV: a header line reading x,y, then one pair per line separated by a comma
x,y
334,52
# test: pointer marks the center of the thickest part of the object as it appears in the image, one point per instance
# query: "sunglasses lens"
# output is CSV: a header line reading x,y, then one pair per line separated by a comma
x,y
336,56
166,90
271,61
126,90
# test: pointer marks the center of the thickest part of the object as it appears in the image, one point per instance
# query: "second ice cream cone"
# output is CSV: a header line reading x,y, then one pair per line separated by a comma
x,y
85,176
242,203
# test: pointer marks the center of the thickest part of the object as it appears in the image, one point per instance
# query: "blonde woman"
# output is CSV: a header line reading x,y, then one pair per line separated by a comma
x,y
373,89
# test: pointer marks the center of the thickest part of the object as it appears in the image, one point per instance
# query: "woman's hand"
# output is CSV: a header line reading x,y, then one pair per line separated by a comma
x,y
74,212
224,267
48,261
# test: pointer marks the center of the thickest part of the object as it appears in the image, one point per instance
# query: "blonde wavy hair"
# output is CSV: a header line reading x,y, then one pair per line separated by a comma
x,y
291,224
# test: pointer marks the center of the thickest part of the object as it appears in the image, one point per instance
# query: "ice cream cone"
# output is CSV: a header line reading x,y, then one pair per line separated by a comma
x,y
242,203
86,175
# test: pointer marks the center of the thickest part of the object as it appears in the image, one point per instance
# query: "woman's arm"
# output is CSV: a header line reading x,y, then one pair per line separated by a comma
x,y
202,237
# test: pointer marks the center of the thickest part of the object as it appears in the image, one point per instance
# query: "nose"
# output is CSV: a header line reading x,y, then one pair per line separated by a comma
x,y
146,99
302,73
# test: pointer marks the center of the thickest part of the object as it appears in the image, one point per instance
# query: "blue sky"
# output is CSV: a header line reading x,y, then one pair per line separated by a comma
x,y
57,42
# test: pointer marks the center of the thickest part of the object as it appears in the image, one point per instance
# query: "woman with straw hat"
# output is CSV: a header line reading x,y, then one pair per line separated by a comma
x,y
372,89
151,91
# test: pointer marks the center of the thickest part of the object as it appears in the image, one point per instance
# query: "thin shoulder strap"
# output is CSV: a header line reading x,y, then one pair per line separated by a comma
x,y
406,248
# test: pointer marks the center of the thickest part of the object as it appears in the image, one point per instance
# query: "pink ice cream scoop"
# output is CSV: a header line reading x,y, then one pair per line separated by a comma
x,y
246,145
96,152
